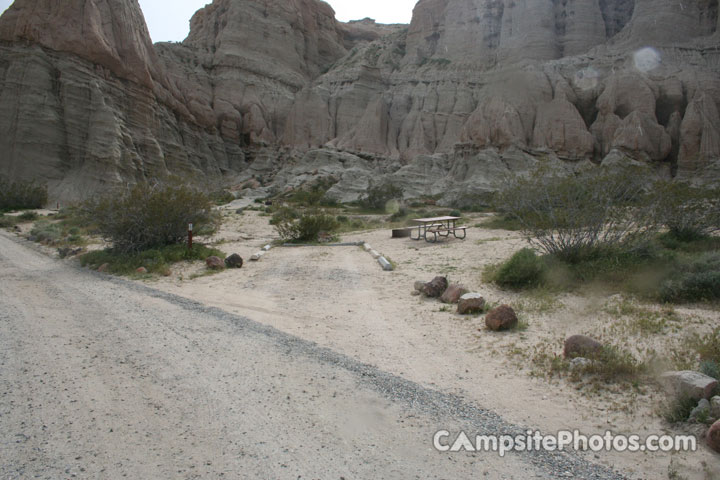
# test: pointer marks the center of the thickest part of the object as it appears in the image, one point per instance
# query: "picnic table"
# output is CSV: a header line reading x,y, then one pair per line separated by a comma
x,y
431,229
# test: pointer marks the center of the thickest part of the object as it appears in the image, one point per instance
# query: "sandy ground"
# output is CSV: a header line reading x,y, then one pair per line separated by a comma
x,y
106,378
340,298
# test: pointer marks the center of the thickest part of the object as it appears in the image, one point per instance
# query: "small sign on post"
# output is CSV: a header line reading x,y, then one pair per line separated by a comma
x,y
190,230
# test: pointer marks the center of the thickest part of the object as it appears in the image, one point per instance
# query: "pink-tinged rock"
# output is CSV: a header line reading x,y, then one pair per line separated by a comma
x,y
141,270
690,384
471,303
453,293
581,346
501,318
713,436
215,263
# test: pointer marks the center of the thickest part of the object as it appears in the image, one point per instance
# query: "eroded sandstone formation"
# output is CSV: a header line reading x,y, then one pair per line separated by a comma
x,y
280,93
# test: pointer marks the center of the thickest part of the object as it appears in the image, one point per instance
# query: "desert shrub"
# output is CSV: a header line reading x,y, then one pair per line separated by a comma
x,y
314,195
688,212
612,363
400,214
221,197
573,217
151,215
19,195
157,260
28,216
46,232
710,368
677,409
7,221
523,269
378,196
694,280
342,219
305,228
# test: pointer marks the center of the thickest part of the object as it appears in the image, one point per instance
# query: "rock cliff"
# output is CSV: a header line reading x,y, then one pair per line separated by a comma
x,y
281,92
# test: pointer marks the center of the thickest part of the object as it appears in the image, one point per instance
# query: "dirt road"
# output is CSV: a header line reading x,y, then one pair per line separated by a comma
x,y
103,378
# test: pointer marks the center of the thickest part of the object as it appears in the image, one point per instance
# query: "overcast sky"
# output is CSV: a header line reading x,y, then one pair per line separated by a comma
x,y
168,19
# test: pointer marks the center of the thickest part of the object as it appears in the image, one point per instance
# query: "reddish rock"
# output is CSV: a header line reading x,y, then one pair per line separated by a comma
x,y
215,263
501,318
713,436
141,270
104,268
471,303
581,346
435,287
453,293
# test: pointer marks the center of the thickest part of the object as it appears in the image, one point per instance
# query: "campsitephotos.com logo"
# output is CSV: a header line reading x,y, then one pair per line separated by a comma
x,y
529,441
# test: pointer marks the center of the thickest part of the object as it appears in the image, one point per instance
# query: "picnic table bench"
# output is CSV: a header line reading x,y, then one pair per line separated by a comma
x,y
431,229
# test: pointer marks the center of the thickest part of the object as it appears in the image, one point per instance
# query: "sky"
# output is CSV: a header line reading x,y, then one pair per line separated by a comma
x,y
168,20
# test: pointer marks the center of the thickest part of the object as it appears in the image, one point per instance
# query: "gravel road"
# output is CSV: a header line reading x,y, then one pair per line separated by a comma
x,y
105,378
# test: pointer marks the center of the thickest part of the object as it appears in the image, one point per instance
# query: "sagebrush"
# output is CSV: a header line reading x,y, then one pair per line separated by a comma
x,y
575,216
20,195
150,215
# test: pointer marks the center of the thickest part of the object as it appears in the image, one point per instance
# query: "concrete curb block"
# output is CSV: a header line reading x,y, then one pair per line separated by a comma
x,y
302,245
387,266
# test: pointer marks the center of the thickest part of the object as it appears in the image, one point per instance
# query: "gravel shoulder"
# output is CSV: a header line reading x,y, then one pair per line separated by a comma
x,y
102,377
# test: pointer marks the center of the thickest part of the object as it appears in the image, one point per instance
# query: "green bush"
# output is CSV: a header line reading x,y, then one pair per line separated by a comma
x,y
523,269
20,195
689,212
314,195
572,217
378,196
306,228
151,215
7,221
710,368
221,197
28,216
46,232
157,260
696,280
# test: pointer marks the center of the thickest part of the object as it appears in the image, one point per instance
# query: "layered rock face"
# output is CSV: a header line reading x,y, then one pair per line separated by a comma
x,y
282,92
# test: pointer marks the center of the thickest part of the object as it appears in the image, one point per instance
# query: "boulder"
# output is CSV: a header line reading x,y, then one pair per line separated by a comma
x,y
215,263
141,270
234,261
713,436
435,287
471,303
453,293
501,318
419,285
581,346
690,384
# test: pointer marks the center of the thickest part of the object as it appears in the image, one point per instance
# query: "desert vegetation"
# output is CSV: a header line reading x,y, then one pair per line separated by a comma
x,y
151,215
612,229
21,195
